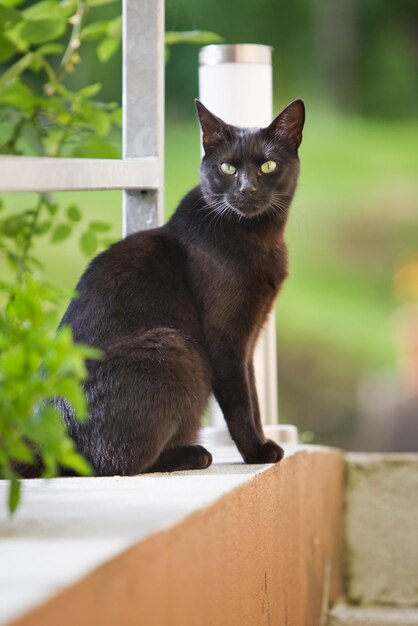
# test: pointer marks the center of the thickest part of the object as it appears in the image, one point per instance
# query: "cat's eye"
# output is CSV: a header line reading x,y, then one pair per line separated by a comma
x,y
268,167
227,168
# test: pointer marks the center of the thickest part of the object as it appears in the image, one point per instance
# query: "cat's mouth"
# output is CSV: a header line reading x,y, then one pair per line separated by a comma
x,y
239,208
247,211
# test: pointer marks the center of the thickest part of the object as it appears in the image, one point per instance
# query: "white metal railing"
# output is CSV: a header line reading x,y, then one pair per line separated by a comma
x,y
140,173
19,173
143,106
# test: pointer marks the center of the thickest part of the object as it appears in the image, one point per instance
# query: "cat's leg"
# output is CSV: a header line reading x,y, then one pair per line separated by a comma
x,y
148,394
232,389
182,458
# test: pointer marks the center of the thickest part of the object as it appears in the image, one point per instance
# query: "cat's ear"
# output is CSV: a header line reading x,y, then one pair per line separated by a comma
x,y
289,124
213,128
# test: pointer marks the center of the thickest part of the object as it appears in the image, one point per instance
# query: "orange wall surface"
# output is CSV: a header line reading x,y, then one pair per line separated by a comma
x,y
267,553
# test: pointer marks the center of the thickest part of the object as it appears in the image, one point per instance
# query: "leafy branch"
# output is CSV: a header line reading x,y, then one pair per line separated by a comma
x,y
41,115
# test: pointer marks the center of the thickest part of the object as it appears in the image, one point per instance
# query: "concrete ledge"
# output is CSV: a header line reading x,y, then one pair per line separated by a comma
x,y
372,616
382,529
234,544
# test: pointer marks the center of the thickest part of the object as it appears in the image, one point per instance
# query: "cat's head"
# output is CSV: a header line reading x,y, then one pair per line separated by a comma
x,y
246,172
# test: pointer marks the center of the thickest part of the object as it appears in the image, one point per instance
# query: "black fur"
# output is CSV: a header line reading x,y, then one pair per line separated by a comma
x,y
177,310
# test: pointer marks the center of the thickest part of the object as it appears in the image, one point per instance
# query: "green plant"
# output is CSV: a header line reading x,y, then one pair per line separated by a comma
x,y
40,47
35,365
41,115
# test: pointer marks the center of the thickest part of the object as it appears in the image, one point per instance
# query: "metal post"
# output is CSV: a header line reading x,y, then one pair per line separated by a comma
x,y
143,105
235,83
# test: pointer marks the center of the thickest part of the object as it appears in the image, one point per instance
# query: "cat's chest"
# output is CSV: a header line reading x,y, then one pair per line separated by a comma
x,y
231,285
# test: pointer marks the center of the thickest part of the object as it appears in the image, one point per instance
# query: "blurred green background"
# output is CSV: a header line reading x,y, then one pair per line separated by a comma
x,y
346,316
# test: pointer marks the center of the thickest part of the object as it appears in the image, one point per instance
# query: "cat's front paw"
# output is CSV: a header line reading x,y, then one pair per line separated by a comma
x,y
268,452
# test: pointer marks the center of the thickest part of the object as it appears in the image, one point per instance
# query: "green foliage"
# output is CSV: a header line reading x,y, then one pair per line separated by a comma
x,y
41,115
35,365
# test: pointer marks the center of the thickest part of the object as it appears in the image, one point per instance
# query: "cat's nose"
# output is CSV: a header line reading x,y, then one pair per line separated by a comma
x,y
248,189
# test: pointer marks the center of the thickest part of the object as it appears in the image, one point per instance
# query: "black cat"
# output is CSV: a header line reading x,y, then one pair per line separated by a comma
x,y
177,310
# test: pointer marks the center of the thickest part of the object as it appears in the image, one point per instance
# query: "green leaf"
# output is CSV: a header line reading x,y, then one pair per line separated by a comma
x,y
73,213
107,48
13,224
192,36
11,3
7,50
89,91
47,9
76,462
14,493
70,389
99,121
100,227
51,49
13,35
114,28
14,361
16,69
94,31
43,30
30,132
88,243
19,451
8,16
96,147
61,232
98,3
18,95
52,208
37,63
6,133
43,227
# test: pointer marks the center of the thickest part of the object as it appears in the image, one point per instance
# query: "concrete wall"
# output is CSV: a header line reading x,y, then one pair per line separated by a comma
x,y
382,529
267,553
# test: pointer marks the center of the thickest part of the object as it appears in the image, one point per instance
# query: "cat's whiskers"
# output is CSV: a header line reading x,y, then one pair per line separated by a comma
x,y
220,206
213,205
212,214
282,194
281,202
214,211
279,206
281,198
218,218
